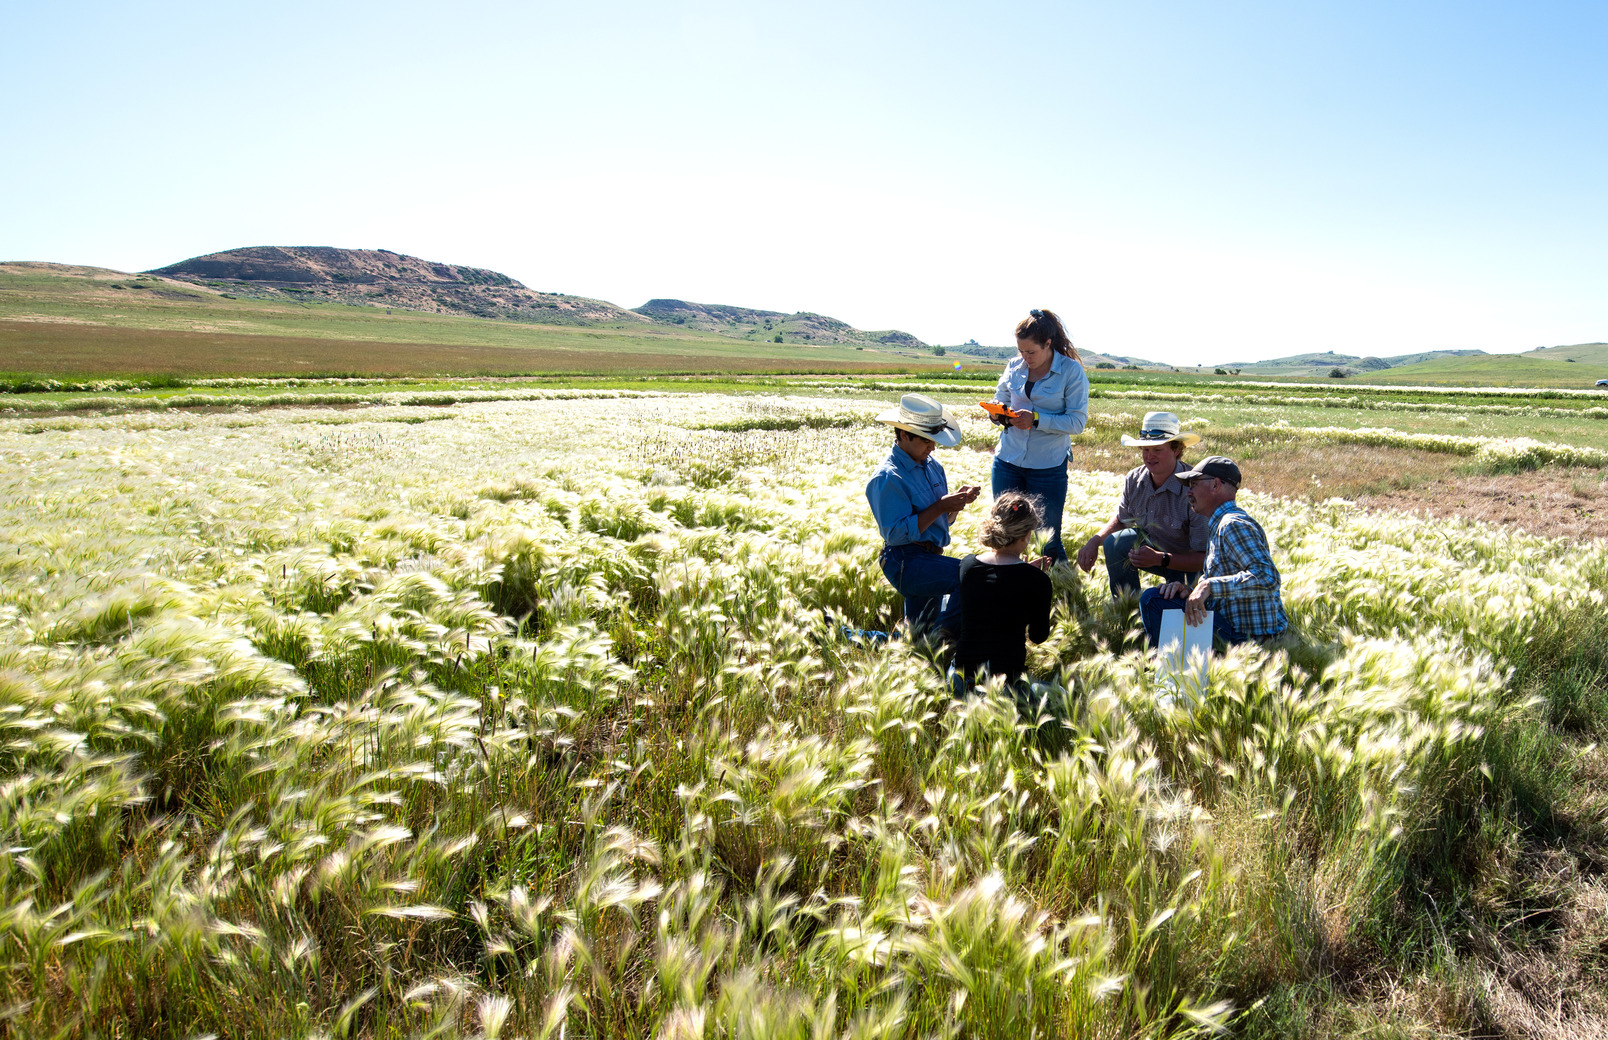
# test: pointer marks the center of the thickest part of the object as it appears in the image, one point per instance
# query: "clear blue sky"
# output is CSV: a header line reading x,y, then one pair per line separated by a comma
x,y
1184,182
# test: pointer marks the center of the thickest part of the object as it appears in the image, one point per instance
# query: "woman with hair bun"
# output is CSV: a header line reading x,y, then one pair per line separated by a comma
x,y
1047,388
1004,600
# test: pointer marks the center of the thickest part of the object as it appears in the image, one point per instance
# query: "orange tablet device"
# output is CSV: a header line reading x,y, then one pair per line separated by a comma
x,y
995,408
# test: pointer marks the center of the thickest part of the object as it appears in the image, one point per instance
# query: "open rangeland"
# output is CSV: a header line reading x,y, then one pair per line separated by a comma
x,y
63,349
85,322
480,717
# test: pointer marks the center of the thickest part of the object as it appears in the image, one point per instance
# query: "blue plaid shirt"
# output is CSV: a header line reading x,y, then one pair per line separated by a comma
x,y
1243,580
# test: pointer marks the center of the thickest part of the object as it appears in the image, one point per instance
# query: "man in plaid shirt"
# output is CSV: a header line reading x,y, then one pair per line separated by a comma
x,y
1240,583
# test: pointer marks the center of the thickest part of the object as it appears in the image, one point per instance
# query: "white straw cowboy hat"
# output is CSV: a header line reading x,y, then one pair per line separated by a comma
x,y
924,417
1160,428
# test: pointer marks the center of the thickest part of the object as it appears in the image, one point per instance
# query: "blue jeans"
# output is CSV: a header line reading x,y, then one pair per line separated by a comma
x,y
924,579
1047,485
1124,575
1151,604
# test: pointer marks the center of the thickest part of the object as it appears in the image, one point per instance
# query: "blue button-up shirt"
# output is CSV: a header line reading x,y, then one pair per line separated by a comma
x,y
899,489
1239,571
1062,400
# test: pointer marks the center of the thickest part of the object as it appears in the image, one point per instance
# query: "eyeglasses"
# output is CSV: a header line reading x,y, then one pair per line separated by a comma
x,y
1156,435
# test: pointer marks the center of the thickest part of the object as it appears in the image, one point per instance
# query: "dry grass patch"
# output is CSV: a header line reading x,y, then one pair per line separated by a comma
x,y
1557,503
1554,502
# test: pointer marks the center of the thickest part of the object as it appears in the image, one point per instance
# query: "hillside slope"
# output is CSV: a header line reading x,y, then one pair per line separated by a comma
x,y
747,323
71,320
1322,364
1580,353
381,278
1498,370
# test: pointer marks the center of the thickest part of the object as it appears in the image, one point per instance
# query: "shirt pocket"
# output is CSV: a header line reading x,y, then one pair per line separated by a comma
x,y
1170,530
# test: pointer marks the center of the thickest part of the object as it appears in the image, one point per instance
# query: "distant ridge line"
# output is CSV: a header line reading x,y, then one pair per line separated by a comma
x,y
382,278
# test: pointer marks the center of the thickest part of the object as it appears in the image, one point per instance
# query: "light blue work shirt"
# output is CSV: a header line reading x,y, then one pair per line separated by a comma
x,y
1061,399
900,488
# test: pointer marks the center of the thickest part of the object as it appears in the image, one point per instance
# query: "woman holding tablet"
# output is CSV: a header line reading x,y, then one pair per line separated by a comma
x,y
1047,389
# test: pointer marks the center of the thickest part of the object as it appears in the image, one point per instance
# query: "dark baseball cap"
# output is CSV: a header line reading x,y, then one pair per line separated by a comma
x,y
1218,466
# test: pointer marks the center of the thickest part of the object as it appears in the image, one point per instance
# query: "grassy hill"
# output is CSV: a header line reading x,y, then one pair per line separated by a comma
x,y
756,325
383,279
65,320
1531,369
1580,353
1316,365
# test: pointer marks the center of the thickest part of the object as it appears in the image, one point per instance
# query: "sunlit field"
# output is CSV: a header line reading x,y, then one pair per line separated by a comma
x,y
538,718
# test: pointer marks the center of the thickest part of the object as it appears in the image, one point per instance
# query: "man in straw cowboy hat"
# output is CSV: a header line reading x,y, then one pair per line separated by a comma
x,y
1241,582
1173,544
910,498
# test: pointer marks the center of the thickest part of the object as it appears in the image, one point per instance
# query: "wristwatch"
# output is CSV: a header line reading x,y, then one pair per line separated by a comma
x,y
1035,418
1166,559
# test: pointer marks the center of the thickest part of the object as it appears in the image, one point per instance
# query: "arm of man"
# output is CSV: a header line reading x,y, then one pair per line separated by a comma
x,y
951,504
1090,552
892,509
1249,565
1146,556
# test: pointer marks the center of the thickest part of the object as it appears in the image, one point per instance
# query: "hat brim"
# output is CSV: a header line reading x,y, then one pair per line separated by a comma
x,y
1193,475
1139,442
947,435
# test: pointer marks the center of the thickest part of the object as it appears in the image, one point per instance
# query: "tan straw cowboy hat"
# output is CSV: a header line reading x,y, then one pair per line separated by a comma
x,y
1160,428
924,417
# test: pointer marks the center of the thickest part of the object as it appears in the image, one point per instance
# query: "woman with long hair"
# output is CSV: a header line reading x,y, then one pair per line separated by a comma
x,y
1047,389
1004,600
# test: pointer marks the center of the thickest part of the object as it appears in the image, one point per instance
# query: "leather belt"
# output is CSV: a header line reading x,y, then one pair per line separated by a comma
x,y
925,547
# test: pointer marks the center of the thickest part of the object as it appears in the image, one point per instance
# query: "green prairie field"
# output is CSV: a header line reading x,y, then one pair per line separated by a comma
x,y
532,708
1537,368
89,322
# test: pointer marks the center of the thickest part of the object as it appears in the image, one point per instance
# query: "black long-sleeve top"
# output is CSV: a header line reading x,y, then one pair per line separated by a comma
x,y
1000,605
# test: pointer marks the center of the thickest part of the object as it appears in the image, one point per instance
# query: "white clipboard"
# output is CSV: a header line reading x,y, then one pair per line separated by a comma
x,y
1184,652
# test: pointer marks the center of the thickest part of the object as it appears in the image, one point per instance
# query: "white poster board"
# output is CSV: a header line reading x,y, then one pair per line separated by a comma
x,y
1183,652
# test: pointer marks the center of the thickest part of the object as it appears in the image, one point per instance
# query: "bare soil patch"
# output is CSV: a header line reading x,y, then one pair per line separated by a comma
x,y
1557,503
1552,502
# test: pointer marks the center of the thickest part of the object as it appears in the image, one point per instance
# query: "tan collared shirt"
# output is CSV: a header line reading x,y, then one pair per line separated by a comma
x,y
1170,523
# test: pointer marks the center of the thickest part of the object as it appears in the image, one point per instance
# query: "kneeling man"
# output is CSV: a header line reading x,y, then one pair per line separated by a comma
x,y
910,499
1240,584
1153,496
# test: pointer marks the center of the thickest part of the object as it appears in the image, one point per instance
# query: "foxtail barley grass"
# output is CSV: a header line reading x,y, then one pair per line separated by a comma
x,y
538,721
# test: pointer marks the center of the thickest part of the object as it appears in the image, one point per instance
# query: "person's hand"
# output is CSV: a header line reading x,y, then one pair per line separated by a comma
x,y
1088,554
963,497
1144,556
1195,605
1043,563
1023,420
1174,589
